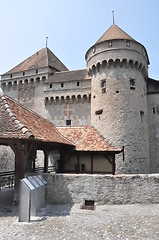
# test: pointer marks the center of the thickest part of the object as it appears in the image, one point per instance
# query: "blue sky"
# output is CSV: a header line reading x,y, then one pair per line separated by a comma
x,y
72,27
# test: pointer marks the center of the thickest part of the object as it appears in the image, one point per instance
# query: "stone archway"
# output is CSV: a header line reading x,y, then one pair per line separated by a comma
x,y
7,159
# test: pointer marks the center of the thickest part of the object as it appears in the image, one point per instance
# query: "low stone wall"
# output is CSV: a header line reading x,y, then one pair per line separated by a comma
x,y
103,189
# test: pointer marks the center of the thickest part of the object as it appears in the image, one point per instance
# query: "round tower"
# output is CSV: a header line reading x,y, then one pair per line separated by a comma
x,y
119,68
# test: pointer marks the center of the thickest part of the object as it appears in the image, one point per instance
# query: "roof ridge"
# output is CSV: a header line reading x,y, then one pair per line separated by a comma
x,y
12,116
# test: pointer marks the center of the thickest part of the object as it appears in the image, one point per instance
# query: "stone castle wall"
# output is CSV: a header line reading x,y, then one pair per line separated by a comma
x,y
153,107
103,189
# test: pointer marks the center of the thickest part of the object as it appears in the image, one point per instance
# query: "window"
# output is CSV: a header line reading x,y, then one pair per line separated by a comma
x,y
99,112
109,43
153,109
23,73
103,86
62,84
157,109
128,43
132,83
83,167
68,122
50,85
77,84
11,75
36,70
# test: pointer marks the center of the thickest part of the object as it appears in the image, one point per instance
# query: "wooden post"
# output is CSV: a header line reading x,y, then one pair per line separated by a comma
x,y
113,165
92,158
62,161
46,155
78,162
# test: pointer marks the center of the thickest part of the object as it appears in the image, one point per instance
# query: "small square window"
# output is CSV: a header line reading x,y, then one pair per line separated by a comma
x,y
68,122
62,84
132,83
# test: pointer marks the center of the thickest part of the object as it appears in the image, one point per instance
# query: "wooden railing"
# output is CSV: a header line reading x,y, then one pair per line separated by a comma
x,y
7,179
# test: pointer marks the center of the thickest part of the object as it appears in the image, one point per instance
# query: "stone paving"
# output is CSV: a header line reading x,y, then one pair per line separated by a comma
x,y
67,222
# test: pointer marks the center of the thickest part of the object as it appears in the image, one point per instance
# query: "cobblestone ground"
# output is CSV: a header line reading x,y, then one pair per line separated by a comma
x,y
61,222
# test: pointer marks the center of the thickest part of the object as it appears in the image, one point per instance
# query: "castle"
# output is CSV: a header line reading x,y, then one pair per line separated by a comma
x,y
114,95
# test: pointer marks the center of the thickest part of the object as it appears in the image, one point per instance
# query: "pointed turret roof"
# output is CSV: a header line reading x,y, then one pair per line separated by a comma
x,y
41,59
114,32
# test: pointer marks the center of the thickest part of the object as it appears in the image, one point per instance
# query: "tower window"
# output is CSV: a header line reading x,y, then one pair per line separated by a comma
x,y
132,84
103,86
36,70
128,43
77,84
50,85
23,73
99,112
68,122
153,109
109,43
62,84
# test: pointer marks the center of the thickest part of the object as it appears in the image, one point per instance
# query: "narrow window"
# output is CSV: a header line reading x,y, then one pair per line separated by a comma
x,y
132,83
103,86
142,115
50,85
62,84
157,109
153,110
77,84
68,122
110,44
23,73
11,76
36,70
128,43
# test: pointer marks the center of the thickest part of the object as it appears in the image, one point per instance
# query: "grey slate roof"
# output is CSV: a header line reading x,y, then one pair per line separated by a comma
x,y
65,76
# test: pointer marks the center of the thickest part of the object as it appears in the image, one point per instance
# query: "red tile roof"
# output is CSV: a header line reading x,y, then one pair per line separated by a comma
x,y
114,32
40,59
18,122
87,139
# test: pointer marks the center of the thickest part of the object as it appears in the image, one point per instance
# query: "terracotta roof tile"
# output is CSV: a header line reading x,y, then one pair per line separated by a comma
x,y
40,59
87,139
16,121
114,32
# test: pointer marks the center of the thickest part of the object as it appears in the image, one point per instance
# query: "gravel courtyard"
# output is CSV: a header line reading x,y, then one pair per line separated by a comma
x,y
61,222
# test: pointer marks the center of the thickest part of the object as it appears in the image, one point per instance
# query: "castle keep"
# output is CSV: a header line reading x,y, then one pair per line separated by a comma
x,y
114,95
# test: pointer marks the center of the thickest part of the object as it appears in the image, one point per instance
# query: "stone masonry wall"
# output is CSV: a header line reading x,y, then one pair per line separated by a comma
x,y
153,111
103,189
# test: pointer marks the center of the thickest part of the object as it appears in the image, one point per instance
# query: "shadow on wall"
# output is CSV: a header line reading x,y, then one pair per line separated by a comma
x,y
57,191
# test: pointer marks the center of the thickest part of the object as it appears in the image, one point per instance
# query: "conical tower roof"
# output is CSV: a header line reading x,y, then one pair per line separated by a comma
x,y
114,32
41,59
